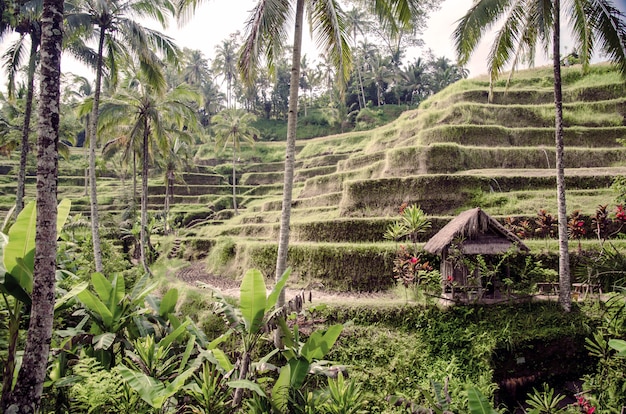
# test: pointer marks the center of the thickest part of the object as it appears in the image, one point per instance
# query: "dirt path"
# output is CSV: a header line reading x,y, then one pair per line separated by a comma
x,y
196,274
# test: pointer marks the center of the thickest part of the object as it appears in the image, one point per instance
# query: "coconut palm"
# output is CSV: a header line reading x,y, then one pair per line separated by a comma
x,y
225,65
231,127
358,23
266,34
524,24
26,22
118,34
29,385
154,116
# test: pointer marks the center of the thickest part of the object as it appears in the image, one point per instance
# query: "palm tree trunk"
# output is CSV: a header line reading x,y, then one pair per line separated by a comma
x,y
29,386
290,155
565,295
93,127
166,202
134,181
143,237
234,180
21,178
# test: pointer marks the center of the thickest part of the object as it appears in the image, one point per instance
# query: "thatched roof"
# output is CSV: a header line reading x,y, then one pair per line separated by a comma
x,y
481,234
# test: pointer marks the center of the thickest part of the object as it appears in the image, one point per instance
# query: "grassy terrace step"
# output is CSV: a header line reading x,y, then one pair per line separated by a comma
x,y
324,200
494,135
332,183
595,114
451,158
345,267
358,161
269,189
445,194
535,96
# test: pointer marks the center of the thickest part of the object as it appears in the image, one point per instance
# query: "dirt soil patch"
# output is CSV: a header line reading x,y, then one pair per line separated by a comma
x,y
195,274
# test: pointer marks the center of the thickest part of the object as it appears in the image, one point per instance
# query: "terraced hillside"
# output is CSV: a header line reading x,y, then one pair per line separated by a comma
x,y
455,152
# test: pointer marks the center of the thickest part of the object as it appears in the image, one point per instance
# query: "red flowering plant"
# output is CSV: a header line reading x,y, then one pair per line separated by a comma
x,y
584,405
576,227
546,224
600,222
407,268
413,273
620,217
519,226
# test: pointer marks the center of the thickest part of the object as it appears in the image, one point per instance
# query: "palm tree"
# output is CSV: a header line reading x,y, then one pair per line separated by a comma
x,y
195,67
173,161
381,74
266,33
213,100
27,22
231,127
29,386
154,116
358,23
525,24
225,64
116,30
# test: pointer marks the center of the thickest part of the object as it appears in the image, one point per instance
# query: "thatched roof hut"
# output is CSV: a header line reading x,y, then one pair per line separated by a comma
x,y
481,234
475,233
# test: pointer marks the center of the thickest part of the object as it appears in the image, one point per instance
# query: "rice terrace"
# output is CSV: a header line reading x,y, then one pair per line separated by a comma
x,y
422,242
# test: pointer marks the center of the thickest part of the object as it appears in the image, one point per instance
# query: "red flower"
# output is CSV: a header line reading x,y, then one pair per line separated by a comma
x,y
450,278
413,260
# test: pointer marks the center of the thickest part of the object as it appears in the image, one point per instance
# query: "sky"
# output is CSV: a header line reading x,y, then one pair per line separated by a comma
x,y
214,20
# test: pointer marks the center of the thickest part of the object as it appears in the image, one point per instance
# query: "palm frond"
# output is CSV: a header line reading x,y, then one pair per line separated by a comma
x,y
12,59
609,26
581,31
266,33
328,24
471,27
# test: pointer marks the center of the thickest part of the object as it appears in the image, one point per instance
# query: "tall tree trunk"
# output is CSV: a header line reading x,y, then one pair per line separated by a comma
x,y
235,180
565,294
143,237
134,181
93,132
35,39
166,202
29,386
290,155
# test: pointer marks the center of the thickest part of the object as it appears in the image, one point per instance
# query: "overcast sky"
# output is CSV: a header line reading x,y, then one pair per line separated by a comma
x,y
216,19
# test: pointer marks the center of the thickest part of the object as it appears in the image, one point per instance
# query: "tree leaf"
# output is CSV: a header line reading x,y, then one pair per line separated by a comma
x,y
60,303
478,403
168,303
147,387
318,344
103,341
103,288
273,297
21,237
280,391
96,306
248,385
252,300
63,212
618,345
298,368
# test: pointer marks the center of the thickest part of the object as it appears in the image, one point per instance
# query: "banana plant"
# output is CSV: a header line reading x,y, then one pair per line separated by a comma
x,y
16,275
302,358
112,311
157,371
255,309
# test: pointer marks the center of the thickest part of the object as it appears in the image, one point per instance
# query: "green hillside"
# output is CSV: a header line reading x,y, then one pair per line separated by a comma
x,y
456,151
